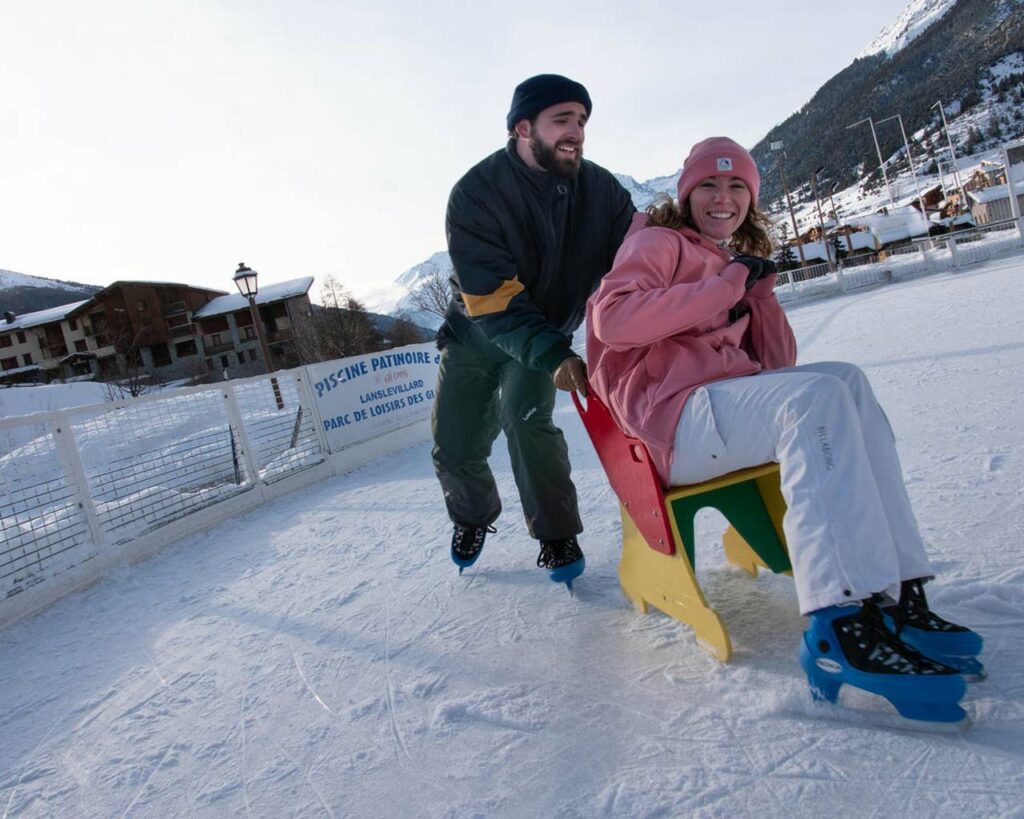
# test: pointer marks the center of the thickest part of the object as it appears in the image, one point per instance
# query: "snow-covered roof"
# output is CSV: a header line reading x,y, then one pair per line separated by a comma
x,y
267,294
995,193
40,317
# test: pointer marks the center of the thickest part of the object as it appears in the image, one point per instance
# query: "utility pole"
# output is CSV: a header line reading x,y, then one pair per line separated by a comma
x,y
777,147
878,150
952,153
821,221
910,159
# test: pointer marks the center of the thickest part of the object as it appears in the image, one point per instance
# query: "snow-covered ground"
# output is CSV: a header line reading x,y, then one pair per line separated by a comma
x,y
50,397
322,657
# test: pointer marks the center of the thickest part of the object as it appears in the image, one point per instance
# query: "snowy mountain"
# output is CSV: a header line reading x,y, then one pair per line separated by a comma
x,y
21,293
967,53
964,54
912,22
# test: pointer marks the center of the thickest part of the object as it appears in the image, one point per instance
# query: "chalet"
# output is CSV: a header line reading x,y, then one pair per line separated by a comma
x,y
993,204
143,324
229,339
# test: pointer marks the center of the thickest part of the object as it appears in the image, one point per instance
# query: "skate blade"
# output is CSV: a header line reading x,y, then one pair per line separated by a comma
x,y
882,720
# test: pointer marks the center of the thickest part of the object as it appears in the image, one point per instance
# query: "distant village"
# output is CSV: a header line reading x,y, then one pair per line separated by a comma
x,y
137,334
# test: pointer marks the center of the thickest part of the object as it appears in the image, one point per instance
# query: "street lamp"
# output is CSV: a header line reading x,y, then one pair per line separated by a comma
x,y
910,159
881,162
777,147
821,221
952,153
245,280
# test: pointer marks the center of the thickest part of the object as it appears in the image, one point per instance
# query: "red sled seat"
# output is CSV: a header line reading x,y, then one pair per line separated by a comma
x,y
657,566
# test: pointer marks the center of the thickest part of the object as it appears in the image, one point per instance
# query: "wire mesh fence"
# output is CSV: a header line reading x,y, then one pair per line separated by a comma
x,y
42,524
78,481
153,461
281,428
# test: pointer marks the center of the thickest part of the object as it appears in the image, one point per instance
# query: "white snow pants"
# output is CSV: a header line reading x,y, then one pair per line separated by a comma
x,y
849,525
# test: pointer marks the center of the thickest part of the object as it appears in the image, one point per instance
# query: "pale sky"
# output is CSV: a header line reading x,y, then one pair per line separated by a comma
x,y
169,141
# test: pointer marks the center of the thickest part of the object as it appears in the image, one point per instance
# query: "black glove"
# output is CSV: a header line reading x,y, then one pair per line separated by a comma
x,y
757,268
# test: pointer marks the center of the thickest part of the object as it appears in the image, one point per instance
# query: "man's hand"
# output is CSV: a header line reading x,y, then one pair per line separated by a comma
x,y
757,268
571,375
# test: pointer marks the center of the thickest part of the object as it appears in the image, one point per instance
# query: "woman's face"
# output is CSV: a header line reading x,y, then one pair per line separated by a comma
x,y
718,206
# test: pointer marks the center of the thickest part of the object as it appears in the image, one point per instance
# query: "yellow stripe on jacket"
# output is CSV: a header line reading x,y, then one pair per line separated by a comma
x,y
495,302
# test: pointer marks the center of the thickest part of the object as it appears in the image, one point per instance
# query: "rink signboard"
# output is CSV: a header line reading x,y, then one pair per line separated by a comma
x,y
362,397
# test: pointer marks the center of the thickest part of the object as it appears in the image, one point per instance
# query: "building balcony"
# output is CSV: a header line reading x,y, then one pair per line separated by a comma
x,y
213,349
284,334
182,330
173,308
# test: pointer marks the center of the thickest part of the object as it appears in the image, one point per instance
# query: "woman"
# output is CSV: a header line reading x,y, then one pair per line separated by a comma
x,y
693,354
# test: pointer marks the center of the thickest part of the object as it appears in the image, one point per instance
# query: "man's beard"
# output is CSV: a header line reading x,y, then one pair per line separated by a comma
x,y
548,158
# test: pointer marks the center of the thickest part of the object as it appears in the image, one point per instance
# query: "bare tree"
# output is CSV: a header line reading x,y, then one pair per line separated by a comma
x,y
432,292
404,331
340,328
129,378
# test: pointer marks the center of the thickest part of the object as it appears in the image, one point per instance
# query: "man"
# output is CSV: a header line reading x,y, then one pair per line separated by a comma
x,y
531,231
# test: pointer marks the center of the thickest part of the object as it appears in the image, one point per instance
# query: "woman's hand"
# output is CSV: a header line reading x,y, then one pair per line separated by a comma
x,y
757,268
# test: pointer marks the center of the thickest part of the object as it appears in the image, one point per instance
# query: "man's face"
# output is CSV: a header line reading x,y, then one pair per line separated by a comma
x,y
556,138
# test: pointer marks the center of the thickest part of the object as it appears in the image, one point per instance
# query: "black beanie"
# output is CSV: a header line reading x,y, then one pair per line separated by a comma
x,y
537,93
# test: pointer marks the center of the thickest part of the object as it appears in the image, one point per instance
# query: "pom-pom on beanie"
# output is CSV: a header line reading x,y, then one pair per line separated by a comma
x,y
537,93
718,156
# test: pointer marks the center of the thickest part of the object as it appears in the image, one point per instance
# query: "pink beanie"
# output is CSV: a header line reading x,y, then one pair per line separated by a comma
x,y
718,156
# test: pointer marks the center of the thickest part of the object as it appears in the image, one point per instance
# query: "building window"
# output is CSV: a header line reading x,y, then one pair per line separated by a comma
x,y
28,358
9,363
72,324
249,333
186,348
5,341
241,356
215,340
21,338
81,346
141,305
224,362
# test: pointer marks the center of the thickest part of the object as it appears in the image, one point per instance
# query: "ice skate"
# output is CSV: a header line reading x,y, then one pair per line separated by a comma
x,y
467,543
563,559
917,625
851,644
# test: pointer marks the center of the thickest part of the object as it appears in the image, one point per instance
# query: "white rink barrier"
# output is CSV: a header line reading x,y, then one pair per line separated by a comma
x,y
951,251
89,488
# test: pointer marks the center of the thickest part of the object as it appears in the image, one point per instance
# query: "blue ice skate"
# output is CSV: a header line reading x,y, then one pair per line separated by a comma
x,y
918,626
850,644
563,559
467,543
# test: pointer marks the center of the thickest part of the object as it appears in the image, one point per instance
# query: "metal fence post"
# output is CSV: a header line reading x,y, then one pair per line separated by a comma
x,y
840,278
953,253
71,461
235,419
308,399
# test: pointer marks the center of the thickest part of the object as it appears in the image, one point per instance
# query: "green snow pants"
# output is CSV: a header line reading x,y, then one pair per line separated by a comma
x,y
477,396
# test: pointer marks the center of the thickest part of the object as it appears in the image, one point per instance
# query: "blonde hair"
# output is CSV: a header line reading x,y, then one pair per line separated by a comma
x,y
751,237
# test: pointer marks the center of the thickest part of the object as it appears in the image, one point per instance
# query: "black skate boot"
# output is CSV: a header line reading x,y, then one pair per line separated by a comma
x,y
563,559
917,625
467,543
851,644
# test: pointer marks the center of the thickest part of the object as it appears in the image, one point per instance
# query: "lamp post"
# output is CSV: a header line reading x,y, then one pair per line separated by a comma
x,y
881,162
952,153
245,280
777,147
910,159
835,215
821,221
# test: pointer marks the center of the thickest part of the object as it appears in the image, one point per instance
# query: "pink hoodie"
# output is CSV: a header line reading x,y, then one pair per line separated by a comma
x,y
658,328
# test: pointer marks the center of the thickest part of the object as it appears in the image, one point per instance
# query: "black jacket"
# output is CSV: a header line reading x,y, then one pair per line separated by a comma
x,y
528,248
